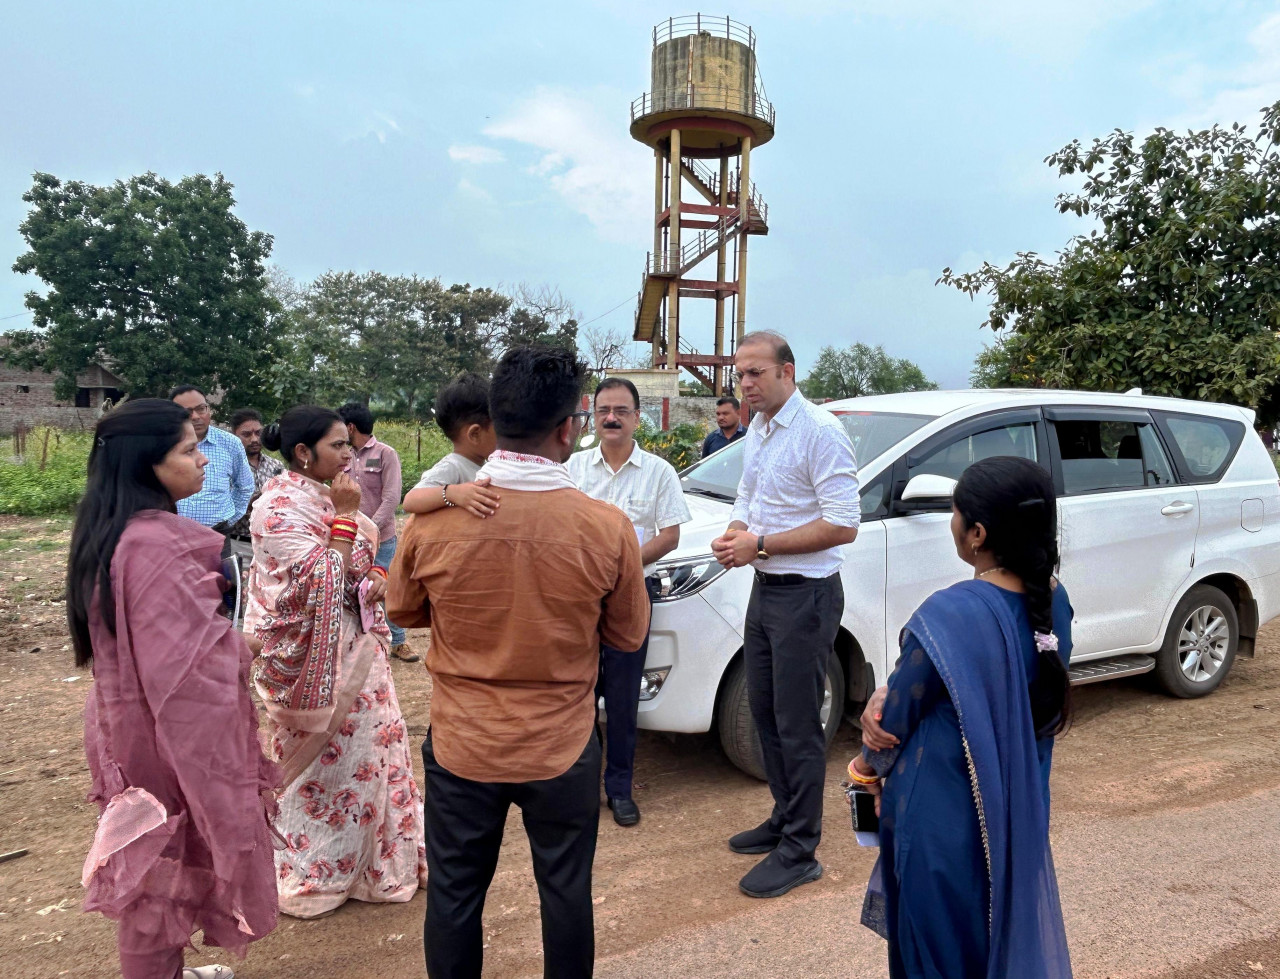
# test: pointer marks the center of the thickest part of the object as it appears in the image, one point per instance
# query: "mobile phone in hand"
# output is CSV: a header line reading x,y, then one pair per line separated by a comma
x,y
866,824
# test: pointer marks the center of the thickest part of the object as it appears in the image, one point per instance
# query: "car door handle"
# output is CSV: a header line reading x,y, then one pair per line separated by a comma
x,y
1177,508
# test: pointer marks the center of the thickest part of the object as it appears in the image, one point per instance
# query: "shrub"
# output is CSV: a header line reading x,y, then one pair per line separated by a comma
x,y
680,446
50,477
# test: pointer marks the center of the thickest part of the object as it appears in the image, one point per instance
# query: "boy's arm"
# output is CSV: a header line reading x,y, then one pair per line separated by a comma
x,y
476,498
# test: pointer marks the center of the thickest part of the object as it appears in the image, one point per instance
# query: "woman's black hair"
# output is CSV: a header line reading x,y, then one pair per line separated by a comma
x,y
1015,502
129,442
300,425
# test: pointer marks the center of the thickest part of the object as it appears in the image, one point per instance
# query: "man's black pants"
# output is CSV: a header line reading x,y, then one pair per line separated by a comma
x,y
464,824
789,638
619,684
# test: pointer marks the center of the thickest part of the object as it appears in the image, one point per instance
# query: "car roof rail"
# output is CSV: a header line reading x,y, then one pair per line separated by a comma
x,y
1137,391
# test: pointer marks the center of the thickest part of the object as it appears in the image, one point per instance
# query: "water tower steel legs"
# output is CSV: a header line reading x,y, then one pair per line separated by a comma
x,y
720,270
658,201
744,207
673,253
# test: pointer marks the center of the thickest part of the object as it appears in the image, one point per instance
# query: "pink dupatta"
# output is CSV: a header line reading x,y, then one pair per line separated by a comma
x,y
303,608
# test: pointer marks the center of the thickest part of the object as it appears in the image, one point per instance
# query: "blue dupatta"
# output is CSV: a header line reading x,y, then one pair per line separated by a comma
x,y
973,642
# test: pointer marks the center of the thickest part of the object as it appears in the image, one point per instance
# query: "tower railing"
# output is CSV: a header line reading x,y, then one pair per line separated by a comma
x,y
711,179
752,104
688,24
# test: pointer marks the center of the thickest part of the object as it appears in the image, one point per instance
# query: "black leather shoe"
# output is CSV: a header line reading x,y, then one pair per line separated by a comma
x,y
770,878
762,839
625,812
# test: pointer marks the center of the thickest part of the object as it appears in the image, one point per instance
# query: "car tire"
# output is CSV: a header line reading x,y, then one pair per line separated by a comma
x,y
738,735
1200,645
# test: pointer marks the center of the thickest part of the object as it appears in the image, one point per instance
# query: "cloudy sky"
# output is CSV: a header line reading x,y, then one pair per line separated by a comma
x,y
487,142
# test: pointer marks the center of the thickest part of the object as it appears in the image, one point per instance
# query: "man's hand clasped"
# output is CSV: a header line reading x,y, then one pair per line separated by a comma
x,y
735,548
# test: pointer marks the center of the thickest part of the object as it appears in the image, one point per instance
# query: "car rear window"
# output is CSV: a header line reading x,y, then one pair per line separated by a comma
x,y
1207,445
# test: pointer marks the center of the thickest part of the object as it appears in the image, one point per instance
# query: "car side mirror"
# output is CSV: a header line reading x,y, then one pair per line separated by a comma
x,y
927,493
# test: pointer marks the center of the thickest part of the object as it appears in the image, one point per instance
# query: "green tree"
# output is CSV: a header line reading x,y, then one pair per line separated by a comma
x,y
859,370
1176,288
159,279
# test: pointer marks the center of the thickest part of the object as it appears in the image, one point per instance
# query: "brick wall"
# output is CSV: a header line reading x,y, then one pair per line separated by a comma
x,y
27,398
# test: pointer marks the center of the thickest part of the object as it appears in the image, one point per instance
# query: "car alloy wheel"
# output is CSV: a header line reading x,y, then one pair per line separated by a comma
x,y
1203,643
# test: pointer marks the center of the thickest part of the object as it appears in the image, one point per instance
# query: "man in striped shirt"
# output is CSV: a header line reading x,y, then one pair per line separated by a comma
x,y
228,479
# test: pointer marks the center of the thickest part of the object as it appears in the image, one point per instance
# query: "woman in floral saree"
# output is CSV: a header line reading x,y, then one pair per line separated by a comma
x,y
350,811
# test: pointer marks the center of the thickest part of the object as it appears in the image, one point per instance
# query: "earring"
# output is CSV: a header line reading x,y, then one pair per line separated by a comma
x,y
975,548
306,464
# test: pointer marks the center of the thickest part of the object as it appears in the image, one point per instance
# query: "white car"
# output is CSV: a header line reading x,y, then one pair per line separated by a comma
x,y
1170,540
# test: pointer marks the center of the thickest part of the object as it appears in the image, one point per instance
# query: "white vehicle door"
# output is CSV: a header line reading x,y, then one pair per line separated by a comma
x,y
1127,528
921,555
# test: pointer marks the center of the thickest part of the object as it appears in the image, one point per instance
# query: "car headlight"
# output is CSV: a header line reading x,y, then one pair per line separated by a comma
x,y
680,580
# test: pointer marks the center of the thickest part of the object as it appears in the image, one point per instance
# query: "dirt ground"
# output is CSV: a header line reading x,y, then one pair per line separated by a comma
x,y
1165,825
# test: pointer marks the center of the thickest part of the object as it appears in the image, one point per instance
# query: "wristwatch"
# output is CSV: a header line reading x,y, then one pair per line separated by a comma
x,y
761,553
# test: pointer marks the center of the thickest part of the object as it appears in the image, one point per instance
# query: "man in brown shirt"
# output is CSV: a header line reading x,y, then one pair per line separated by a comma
x,y
518,604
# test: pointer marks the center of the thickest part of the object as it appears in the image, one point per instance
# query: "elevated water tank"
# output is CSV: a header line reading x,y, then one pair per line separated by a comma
x,y
704,82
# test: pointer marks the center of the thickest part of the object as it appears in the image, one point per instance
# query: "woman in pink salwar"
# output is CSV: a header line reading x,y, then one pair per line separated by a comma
x,y
350,811
183,842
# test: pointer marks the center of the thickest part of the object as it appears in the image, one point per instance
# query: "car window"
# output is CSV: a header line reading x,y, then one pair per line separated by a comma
x,y
1206,444
871,433
1100,455
955,457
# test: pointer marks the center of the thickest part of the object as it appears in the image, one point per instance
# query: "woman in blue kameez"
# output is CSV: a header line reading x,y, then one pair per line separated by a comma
x,y
965,886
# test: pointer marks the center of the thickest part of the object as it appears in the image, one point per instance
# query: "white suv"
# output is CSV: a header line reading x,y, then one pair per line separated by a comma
x,y
1170,534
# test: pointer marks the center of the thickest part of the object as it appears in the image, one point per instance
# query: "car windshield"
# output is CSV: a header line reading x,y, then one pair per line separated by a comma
x,y
872,433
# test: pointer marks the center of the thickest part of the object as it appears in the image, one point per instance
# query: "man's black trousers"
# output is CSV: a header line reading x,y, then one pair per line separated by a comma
x,y
464,823
619,684
790,635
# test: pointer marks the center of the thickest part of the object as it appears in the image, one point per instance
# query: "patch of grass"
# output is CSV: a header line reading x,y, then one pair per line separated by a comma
x,y
50,477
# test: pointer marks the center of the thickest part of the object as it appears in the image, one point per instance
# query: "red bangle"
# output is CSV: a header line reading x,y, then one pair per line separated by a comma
x,y
381,570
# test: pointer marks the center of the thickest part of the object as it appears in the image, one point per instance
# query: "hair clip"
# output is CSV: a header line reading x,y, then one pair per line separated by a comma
x,y
1035,501
101,441
1046,642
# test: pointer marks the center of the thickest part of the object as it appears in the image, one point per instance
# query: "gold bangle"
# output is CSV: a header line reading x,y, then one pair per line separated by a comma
x,y
861,779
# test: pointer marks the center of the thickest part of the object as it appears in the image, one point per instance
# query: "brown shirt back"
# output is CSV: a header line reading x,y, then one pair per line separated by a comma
x,y
518,605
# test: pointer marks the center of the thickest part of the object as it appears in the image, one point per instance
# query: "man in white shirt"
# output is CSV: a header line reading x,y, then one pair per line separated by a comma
x,y
797,506
647,489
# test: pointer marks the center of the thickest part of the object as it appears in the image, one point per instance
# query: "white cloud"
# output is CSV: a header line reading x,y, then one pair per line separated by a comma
x,y
467,188
1235,93
586,157
475,154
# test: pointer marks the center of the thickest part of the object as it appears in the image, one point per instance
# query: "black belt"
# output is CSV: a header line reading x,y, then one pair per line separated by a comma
x,y
782,579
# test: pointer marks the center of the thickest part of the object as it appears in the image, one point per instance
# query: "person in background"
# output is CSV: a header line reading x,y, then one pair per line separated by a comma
x,y
228,480
246,425
462,412
350,811
183,843
376,469
647,489
963,734
728,426
518,606
797,506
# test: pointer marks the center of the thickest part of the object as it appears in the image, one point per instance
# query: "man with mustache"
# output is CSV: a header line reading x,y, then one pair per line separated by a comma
x,y
246,425
647,489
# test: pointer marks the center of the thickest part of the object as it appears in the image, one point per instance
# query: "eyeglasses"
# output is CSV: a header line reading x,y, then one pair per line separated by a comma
x,y
736,377
622,414
200,409
582,416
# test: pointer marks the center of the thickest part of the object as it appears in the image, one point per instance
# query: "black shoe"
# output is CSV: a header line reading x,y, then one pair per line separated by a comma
x,y
769,878
762,839
625,812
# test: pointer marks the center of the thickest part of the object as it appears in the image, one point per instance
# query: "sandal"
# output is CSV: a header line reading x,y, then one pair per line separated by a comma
x,y
208,972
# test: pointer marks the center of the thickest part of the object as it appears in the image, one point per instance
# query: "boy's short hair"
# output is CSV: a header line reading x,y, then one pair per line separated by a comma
x,y
463,401
357,414
729,399
242,415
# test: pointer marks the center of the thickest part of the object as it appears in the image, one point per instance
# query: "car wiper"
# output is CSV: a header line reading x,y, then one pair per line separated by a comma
x,y
698,490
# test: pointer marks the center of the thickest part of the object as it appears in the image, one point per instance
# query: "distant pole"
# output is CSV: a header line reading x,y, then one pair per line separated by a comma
x,y
744,214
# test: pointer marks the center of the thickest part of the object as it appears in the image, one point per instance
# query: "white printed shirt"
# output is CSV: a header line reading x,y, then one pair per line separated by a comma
x,y
646,488
797,467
